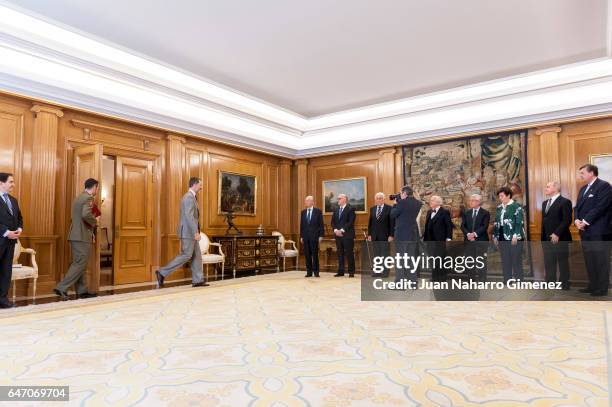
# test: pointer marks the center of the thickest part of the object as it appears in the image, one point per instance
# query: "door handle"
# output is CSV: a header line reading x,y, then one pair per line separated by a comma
x,y
116,231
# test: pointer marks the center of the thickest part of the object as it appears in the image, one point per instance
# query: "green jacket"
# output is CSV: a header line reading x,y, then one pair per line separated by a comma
x,y
512,225
83,221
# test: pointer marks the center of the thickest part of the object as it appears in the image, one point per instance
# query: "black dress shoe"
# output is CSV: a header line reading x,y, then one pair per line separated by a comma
x,y
87,295
201,284
308,275
599,293
62,294
339,275
160,279
585,290
351,275
5,305
317,275
565,287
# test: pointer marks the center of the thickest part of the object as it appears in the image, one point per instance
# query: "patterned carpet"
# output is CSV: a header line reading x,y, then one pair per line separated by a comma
x,y
282,340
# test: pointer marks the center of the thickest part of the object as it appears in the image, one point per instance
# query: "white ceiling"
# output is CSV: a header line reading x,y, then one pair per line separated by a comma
x,y
320,56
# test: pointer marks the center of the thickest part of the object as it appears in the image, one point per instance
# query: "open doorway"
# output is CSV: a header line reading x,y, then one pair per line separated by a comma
x,y
107,220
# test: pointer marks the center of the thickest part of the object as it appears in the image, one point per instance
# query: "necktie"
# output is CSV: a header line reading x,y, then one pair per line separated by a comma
x,y
474,214
378,212
586,190
340,212
309,214
548,205
8,203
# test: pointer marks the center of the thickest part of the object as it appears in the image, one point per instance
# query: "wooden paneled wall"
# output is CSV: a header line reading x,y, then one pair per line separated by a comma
x,y
37,144
38,141
379,167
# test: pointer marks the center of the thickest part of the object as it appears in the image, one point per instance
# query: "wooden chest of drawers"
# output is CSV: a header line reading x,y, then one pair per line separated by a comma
x,y
249,253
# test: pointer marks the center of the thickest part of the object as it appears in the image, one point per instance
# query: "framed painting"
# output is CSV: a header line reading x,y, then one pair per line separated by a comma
x,y
354,188
604,165
237,193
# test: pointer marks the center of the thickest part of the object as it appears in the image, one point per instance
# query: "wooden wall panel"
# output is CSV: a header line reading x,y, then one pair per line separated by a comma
x,y
38,142
377,166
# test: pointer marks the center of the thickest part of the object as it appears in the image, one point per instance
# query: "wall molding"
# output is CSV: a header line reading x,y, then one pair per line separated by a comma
x,y
55,65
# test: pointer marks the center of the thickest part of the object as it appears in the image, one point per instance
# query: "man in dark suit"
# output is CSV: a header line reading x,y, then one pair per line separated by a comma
x,y
380,229
406,234
475,225
311,232
592,218
342,222
11,226
438,231
556,220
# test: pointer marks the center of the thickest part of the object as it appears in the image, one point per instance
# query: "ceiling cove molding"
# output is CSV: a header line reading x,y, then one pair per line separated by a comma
x,y
45,61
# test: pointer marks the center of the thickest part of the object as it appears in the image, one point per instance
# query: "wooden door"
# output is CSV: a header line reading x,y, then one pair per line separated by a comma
x,y
133,220
88,164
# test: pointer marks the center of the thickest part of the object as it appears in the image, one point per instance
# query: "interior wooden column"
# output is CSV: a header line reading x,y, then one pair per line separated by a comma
x,y
399,170
175,189
39,222
44,158
549,153
386,168
302,189
284,209
549,170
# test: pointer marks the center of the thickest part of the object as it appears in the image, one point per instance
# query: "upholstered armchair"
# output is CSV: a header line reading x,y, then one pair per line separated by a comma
x,y
211,258
285,253
21,272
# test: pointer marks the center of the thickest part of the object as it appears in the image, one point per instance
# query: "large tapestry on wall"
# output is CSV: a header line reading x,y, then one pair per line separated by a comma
x,y
459,168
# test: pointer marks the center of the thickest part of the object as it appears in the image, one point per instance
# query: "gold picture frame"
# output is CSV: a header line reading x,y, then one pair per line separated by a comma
x,y
604,165
230,195
355,188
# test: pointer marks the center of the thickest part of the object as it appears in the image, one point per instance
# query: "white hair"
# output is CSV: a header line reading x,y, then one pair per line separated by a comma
x,y
556,185
342,195
437,198
309,197
476,196
379,194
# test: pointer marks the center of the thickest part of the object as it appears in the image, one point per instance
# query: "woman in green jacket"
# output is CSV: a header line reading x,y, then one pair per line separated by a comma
x,y
508,234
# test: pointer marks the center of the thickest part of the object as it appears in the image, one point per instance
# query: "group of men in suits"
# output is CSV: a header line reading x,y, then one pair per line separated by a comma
x,y
592,216
593,219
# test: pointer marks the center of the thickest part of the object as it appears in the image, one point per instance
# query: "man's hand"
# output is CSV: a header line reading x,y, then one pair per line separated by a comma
x,y
495,241
369,238
514,241
320,238
301,240
470,237
338,233
554,238
390,239
197,236
12,235
579,224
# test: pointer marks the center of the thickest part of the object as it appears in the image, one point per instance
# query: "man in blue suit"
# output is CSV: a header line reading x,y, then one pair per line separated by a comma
x,y
405,212
311,233
592,218
342,222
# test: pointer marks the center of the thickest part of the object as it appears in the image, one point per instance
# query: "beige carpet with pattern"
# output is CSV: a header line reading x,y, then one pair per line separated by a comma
x,y
282,340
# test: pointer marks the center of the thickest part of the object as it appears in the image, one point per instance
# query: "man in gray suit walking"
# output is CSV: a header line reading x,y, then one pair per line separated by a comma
x,y
189,233
81,238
